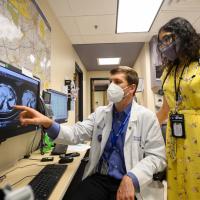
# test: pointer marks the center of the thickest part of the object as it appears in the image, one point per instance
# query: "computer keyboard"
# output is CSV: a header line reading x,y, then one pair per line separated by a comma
x,y
44,183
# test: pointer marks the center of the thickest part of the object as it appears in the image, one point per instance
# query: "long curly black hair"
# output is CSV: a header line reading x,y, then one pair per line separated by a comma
x,y
190,40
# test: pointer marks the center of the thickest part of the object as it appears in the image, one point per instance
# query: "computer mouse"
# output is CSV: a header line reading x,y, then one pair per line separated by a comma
x,y
75,154
65,160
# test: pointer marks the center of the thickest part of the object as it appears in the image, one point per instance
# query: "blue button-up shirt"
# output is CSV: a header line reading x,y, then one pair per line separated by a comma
x,y
112,160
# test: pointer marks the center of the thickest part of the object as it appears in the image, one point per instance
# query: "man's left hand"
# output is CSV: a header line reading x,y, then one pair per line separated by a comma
x,y
126,189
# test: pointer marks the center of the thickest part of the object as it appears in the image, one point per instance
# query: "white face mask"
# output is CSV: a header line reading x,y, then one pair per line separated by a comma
x,y
115,93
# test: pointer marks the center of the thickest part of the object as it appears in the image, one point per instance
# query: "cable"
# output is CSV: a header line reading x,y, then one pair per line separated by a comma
x,y
4,175
23,179
34,139
33,159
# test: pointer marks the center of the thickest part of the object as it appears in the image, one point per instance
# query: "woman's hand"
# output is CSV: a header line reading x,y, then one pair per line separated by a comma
x,y
162,114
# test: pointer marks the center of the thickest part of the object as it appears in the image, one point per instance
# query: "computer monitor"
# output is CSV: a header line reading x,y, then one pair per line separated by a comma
x,y
59,106
15,89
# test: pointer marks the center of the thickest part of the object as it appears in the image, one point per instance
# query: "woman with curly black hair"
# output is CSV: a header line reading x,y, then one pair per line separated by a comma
x,y
179,45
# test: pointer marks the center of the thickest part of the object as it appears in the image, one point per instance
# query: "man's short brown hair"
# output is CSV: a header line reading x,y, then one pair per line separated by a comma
x,y
130,74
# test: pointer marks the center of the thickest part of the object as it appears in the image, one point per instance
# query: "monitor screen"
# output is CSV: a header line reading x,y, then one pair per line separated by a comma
x,y
15,89
46,97
59,106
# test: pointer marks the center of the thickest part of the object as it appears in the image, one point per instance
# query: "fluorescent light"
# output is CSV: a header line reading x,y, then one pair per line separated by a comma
x,y
108,61
136,15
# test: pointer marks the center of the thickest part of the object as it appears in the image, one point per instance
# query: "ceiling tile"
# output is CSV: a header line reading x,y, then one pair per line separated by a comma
x,y
184,5
165,16
106,24
197,25
61,7
69,25
93,7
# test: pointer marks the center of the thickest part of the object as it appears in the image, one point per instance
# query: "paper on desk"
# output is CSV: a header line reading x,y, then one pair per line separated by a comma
x,y
78,147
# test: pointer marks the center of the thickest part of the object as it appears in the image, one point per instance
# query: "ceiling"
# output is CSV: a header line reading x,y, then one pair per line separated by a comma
x,y
94,22
89,53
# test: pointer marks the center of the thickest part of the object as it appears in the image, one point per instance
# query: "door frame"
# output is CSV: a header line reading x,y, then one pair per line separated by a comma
x,y
79,72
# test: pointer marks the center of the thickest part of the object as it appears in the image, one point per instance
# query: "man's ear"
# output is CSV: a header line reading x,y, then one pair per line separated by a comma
x,y
133,89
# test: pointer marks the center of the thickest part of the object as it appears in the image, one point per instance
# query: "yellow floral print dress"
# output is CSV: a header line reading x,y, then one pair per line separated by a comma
x,y
183,155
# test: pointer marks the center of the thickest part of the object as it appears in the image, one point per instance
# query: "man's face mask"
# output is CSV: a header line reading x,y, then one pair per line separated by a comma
x,y
115,93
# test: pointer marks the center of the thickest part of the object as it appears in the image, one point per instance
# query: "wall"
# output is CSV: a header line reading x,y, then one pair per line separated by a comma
x,y
63,58
142,66
98,99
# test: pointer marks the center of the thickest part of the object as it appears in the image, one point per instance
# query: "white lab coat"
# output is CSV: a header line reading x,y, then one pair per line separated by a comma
x,y
144,148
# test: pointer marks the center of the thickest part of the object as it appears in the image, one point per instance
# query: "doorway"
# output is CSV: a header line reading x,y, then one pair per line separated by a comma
x,y
98,92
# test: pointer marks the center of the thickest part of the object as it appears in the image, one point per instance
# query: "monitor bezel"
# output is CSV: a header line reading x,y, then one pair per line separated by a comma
x,y
64,120
18,129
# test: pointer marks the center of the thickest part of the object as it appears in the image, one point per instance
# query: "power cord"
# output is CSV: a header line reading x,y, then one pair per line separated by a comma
x,y
34,139
23,179
4,175
32,144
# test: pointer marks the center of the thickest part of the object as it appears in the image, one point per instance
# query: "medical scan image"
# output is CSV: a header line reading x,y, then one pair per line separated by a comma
x,y
29,99
8,98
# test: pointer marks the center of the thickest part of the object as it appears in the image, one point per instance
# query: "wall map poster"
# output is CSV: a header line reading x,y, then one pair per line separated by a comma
x,y
25,38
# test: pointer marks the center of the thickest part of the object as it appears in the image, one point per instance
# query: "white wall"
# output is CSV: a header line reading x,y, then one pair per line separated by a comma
x,y
142,66
63,57
98,97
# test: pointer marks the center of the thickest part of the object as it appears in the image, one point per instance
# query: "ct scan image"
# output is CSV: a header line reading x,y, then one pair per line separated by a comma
x,y
8,98
29,99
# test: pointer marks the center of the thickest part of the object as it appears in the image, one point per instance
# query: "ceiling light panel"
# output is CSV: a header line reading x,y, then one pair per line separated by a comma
x,y
136,15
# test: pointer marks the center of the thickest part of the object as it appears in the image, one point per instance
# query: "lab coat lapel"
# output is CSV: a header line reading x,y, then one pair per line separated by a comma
x,y
132,120
107,129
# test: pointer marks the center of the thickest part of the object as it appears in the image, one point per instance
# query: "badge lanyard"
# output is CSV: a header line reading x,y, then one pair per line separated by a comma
x,y
176,89
178,97
177,120
114,136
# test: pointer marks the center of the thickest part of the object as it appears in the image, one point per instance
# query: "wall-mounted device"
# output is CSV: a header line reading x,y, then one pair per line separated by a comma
x,y
156,63
140,87
46,96
158,99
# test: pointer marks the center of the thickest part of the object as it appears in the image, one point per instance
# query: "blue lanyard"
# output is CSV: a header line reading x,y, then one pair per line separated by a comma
x,y
114,135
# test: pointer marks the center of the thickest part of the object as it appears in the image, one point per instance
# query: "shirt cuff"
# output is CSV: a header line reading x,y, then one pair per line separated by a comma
x,y
53,130
135,181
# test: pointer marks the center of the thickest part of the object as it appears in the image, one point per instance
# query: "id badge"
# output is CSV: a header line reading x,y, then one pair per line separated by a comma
x,y
177,125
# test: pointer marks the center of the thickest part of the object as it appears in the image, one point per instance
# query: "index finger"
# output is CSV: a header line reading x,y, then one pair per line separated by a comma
x,y
17,107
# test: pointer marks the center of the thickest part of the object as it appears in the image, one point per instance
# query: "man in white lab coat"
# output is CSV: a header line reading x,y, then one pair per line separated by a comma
x,y
127,146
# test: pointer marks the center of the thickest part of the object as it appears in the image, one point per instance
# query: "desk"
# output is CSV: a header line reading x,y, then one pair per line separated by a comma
x,y
34,169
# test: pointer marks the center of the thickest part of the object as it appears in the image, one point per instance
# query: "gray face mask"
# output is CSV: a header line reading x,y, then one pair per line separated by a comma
x,y
171,51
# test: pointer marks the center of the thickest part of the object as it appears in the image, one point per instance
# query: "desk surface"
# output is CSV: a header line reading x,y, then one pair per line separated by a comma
x,y
34,167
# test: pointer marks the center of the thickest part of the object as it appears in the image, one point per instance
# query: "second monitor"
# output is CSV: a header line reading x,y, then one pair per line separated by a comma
x,y
58,104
